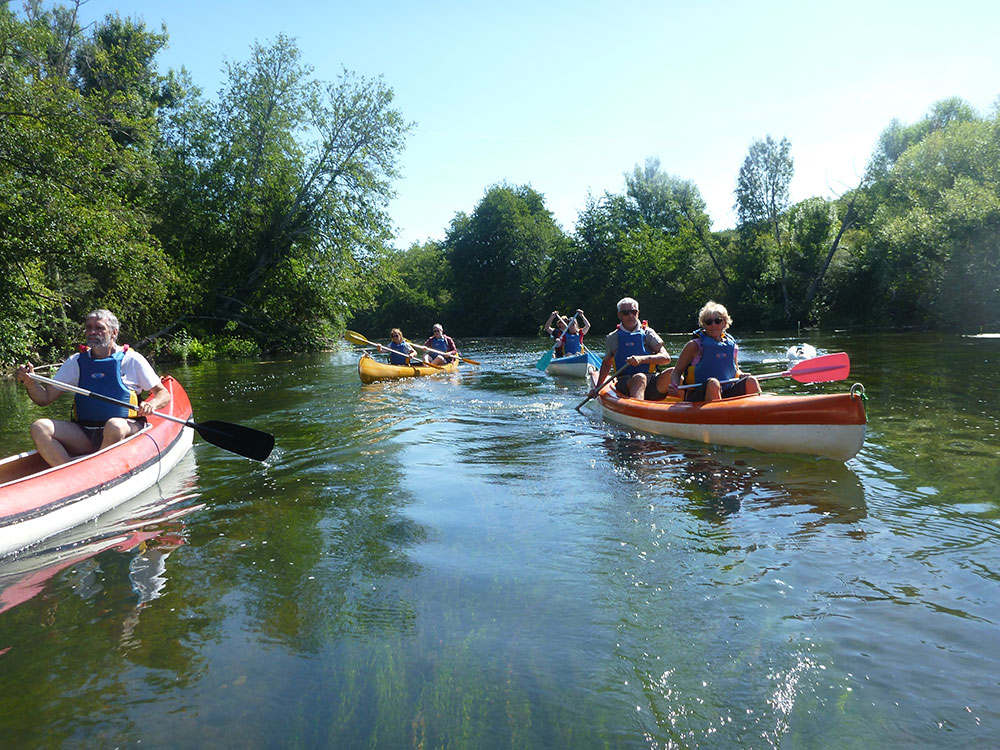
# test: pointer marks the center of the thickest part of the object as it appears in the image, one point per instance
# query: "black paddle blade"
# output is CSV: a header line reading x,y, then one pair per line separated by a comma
x,y
236,438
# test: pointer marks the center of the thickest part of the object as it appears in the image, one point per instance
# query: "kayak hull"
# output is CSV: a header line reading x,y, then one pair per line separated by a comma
x,y
371,371
573,366
38,501
826,425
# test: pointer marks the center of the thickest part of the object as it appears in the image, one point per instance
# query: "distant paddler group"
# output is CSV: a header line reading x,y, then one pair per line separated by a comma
x,y
440,356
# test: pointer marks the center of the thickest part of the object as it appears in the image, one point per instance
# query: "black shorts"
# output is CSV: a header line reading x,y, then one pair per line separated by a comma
x,y
651,393
739,388
95,432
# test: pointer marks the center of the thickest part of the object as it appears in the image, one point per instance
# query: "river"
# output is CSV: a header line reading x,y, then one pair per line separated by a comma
x,y
467,561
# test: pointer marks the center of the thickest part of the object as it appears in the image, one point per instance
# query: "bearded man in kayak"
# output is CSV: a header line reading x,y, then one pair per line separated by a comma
x,y
634,349
105,368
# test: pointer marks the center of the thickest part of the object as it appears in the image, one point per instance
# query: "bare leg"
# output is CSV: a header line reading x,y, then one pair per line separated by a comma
x,y
637,386
116,429
58,441
713,389
753,386
663,380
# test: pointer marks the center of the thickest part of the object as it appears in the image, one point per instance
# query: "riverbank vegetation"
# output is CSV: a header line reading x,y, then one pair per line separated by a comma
x,y
257,220
915,244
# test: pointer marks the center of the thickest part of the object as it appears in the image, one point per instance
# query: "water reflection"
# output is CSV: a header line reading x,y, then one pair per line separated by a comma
x,y
129,543
721,483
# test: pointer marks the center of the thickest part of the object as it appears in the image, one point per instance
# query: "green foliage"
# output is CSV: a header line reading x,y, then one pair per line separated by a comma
x,y
286,181
497,259
929,256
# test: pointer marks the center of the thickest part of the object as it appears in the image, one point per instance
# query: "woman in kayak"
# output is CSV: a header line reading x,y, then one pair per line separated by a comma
x,y
710,359
400,351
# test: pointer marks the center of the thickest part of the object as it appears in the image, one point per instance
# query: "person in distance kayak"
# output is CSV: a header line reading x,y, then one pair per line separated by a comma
x,y
710,358
571,339
103,367
634,349
439,342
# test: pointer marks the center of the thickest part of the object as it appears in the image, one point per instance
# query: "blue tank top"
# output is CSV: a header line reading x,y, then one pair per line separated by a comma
x,y
571,344
718,358
396,358
102,376
631,343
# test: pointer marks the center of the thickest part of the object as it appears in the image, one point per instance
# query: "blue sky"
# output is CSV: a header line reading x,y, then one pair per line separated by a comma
x,y
569,96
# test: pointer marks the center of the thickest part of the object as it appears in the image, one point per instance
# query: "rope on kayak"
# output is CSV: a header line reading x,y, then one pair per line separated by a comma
x,y
858,391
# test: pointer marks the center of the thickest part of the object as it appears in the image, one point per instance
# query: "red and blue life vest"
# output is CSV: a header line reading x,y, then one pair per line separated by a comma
x,y
631,343
102,376
572,343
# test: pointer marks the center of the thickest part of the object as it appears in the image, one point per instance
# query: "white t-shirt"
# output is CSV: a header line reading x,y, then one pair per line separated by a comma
x,y
137,374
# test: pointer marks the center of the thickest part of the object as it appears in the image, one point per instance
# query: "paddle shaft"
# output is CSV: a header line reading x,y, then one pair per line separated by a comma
x,y
608,379
244,441
441,353
823,363
101,397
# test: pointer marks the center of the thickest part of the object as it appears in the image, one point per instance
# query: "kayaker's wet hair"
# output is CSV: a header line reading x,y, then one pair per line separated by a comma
x,y
714,309
107,316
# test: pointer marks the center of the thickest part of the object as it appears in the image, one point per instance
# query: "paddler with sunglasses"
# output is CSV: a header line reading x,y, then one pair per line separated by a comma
x,y
634,349
710,358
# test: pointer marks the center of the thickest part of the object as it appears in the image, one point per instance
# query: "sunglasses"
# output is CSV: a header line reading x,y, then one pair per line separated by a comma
x,y
629,312
713,321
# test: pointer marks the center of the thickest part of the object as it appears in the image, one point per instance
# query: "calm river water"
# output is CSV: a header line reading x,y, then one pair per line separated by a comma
x,y
470,562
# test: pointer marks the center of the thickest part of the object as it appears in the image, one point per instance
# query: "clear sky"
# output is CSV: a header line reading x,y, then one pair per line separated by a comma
x,y
569,96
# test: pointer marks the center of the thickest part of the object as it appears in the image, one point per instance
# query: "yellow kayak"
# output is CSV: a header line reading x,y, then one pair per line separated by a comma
x,y
370,370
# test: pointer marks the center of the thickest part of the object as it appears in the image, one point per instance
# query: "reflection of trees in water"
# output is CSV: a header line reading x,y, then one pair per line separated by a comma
x,y
723,482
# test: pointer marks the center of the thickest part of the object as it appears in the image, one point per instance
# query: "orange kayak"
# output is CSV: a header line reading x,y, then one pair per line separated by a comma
x,y
826,425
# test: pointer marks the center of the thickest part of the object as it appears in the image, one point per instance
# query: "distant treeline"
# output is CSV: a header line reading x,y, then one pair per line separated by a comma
x,y
257,220
915,244
252,222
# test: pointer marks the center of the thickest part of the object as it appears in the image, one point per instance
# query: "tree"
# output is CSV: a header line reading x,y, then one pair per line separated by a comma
x,y
497,256
72,198
762,197
287,180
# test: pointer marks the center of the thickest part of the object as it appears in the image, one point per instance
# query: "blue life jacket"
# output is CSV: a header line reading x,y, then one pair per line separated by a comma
x,y
718,358
102,376
631,343
571,344
400,358
442,346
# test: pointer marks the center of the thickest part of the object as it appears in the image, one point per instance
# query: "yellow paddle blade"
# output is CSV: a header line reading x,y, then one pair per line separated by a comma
x,y
356,338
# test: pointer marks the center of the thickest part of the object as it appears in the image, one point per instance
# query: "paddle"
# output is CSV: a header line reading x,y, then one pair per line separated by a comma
x,y
546,358
356,338
822,369
443,354
608,379
235,438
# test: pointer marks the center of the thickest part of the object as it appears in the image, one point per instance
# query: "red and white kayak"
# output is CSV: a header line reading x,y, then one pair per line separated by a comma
x,y
830,426
38,501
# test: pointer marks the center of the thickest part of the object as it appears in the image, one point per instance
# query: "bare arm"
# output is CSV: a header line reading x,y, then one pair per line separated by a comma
x,y
40,393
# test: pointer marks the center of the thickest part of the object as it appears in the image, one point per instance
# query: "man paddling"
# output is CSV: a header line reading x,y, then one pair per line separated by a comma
x,y
442,345
105,368
634,349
